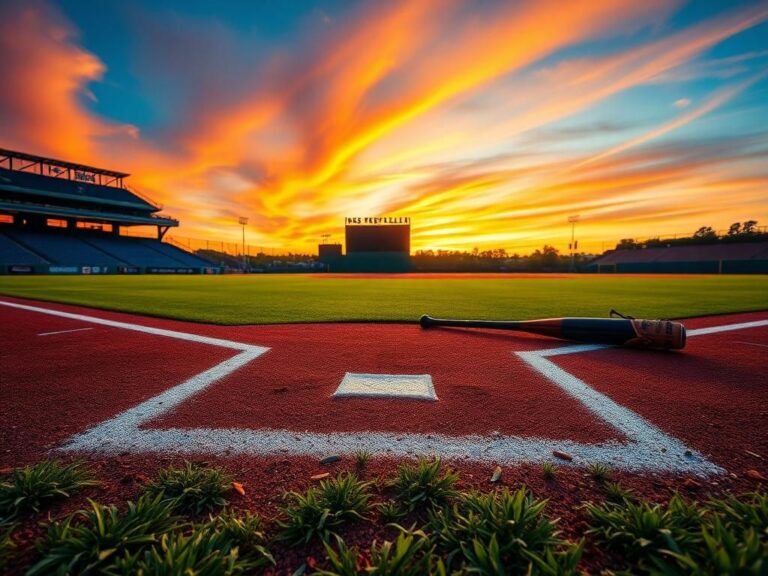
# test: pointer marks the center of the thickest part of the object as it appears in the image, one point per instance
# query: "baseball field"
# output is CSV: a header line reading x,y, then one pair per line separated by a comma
x,y
282,298
291,424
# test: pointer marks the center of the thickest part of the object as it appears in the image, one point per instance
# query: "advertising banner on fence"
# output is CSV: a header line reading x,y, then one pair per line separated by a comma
x,y
171,271
63,270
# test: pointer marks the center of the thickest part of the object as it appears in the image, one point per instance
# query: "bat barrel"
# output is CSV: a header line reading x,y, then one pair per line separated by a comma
x,y
653,334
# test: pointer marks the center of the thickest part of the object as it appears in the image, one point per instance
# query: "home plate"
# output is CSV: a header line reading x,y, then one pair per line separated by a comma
x,y
410,386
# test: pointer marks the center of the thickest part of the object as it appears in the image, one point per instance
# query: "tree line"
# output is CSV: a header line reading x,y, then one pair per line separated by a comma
x,y
548,258
747,231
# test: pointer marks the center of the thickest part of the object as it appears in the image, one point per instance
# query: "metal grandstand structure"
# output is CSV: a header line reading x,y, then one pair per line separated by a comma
x,y
72,185
65,217
24,162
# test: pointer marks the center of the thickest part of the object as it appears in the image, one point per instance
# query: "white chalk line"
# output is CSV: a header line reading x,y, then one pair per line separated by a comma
x,y
727,328
752,344
648,448
64,331
138,328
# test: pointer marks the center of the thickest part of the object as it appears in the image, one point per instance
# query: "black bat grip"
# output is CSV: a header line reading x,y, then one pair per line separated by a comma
x,y
427,321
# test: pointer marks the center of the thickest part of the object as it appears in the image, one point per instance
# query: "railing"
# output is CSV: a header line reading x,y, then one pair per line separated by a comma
x,y
194,244
143,196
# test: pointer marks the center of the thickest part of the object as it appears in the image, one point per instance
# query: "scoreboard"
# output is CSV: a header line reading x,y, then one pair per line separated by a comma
x,y
380,234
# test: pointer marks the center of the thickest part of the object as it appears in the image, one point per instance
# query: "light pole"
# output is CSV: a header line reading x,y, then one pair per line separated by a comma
x,y
243,221
573,219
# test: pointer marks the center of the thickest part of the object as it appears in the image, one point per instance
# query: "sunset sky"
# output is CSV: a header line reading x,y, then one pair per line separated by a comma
x,y
487,122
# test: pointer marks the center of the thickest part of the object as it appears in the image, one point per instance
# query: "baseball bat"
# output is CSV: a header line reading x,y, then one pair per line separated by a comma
x,y
635,333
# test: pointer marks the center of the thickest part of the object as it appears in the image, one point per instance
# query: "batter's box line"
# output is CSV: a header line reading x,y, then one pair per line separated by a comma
x,y
648,448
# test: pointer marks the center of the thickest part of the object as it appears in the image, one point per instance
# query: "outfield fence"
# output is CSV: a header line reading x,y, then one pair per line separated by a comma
x,y
237,249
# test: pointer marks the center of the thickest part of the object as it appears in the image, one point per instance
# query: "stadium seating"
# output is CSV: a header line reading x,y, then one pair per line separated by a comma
x,y
60,248
11,252
87,248
171,251
733,258
701,253
59,217
131,251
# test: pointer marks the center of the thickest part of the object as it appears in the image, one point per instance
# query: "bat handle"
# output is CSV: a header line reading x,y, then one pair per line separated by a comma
x,y
426,321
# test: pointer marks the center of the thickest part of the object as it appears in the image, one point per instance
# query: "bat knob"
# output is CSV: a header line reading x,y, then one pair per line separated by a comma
x,y
425,321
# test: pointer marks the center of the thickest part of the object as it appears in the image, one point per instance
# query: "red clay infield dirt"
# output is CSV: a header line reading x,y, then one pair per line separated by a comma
x,y
67,375
700,412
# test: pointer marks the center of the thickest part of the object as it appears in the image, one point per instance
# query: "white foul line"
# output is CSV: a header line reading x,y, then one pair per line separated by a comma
x,y
138,328
647,448
752,344
64,331
727,327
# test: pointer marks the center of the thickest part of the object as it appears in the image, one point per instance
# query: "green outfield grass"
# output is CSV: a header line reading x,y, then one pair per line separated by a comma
x,y
313,298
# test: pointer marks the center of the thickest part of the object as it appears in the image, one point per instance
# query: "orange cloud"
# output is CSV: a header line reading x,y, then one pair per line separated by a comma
x,y
45,76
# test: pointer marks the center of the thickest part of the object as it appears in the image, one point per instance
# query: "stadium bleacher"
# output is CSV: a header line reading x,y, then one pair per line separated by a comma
x,y
171,251
727,258
11,252
59,217
61,248
35,248
132,252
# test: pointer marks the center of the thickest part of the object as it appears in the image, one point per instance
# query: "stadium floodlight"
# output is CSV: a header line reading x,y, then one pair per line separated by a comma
x,y
573,219
242,220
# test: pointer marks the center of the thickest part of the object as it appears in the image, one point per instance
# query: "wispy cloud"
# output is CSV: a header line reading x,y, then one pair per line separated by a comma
x,y
717,100
45,77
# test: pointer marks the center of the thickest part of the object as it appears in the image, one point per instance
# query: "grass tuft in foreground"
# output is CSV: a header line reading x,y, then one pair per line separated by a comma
x,y
194,488
318,512
203,552
410,554
32,488
361,459
7,546
498,531
246,531
616,492
749,511
90,540
423,485
390,511
643,529
718,537
599,472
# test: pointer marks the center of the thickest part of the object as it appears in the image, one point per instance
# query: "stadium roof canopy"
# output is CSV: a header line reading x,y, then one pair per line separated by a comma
x,y
89,215
35,187
11,156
